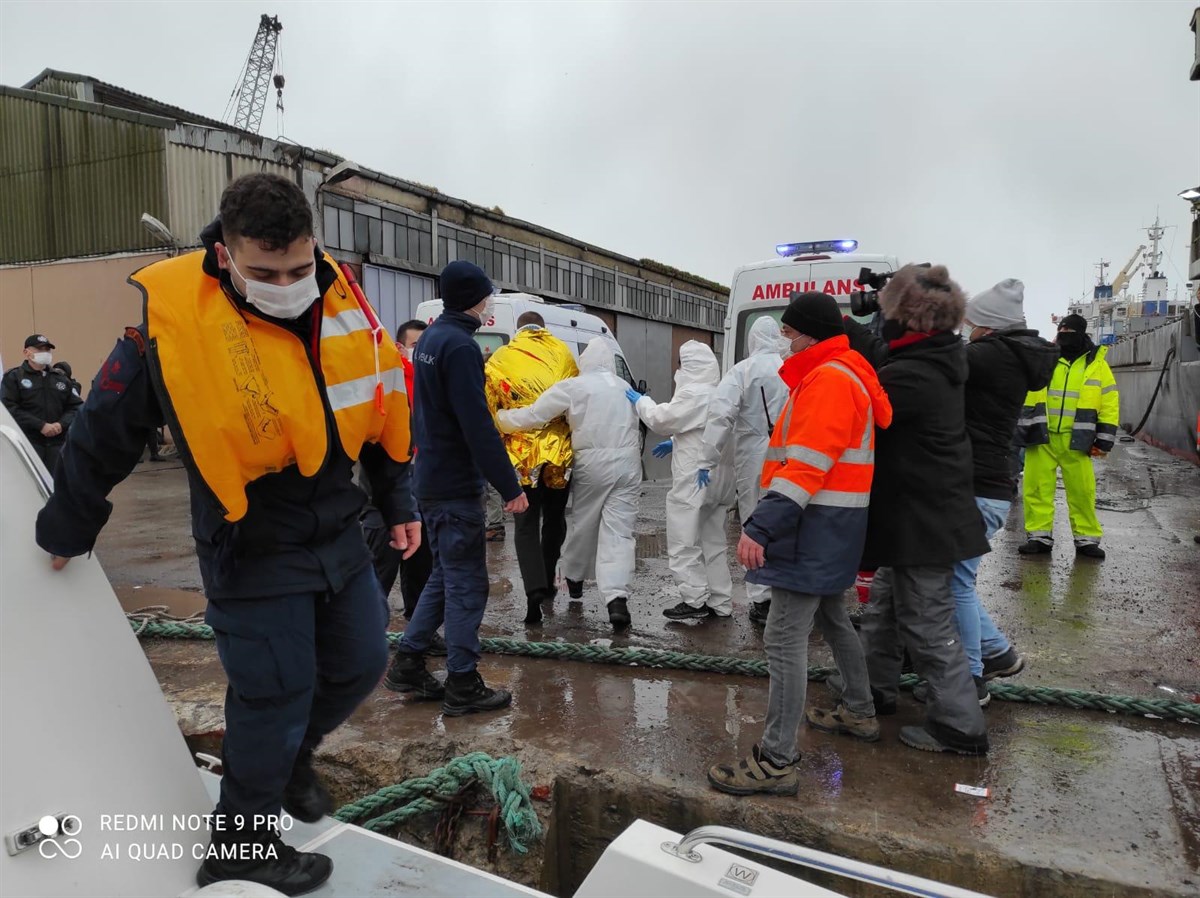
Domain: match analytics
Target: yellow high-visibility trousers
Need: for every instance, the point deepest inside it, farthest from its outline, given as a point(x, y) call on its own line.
point(1041, 480)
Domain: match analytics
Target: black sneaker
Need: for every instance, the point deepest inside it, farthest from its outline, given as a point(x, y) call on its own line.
point(268, 862)
point(684, 611)
point(856, 614)
point(923, 740)
point(305, 796)
point(575, 589)
point(759, 611)
point(1035, 547)
point(618, 613)
point(467, 694)
point(407, 673)
point(1089, 550)
point(1007, 665)
point(496, 534)
point(437, 647)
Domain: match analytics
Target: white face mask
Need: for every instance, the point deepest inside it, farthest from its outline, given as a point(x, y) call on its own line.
point(43, 358)
point(488, 308)
point(279, 302)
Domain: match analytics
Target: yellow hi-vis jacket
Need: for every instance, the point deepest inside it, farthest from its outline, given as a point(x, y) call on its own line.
point(1081, 399)
point(247, 397)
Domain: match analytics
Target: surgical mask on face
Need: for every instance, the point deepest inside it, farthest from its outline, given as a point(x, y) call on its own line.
point(488, 308)
point(43, 358)
point(279, 302)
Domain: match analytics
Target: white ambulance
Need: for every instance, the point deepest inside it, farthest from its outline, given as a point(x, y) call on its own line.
point(763, 288)
point(568, 322)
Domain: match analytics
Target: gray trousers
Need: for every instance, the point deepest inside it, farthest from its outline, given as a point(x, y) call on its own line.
point(913, 608)
point(493, 504)
point(786, 640)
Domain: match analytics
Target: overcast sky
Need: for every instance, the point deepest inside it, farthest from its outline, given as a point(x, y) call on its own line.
point(1001, 139)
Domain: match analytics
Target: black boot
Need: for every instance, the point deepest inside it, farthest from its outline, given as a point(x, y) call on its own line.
point(305, 796)
point(618, 613)
point(265, 859)
point(467, 694)
point(407, 673)
point(1035, 547)
point(575, 589)
point(759, 612)
point(533, 607)
point(1089, 550)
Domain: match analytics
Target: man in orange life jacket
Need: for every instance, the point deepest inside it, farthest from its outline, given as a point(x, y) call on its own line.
point(257, 354)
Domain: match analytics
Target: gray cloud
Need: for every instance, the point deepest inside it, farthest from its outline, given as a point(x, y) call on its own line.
point(1006, 139)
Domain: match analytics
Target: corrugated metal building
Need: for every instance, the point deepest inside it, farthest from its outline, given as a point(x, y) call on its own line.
point(81, 160)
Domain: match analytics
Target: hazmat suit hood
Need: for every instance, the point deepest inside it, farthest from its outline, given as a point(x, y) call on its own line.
point(763, 337)
point(598, 357)
point(697, 366)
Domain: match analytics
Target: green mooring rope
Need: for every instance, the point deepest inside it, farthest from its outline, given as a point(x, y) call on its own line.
point(421, 794)
point(1079, 699)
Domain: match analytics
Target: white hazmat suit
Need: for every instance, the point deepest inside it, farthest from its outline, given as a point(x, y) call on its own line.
point(696, 541)
point(742, 410)
point(607, 478)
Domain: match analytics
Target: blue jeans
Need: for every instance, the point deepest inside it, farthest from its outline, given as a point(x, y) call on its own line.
point(980, 637)
point(457, 589)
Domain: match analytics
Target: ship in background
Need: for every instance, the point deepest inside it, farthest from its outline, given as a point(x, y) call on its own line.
point(1154, 343)
point(1154, 336)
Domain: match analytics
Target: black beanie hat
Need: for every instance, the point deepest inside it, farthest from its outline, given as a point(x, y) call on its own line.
point(1074, 323)
point(815, 315)
point(464, 286)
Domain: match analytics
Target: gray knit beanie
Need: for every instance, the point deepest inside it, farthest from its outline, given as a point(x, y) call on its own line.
point(1000, 307)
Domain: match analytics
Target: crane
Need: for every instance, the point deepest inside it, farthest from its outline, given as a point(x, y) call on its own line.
point(249, 97)
point(1121, 281)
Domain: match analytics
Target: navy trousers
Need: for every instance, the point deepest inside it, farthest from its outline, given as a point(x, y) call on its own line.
point(298, 666)
point(457, 589)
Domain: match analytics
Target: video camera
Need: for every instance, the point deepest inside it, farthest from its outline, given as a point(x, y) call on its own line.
point(866, 302)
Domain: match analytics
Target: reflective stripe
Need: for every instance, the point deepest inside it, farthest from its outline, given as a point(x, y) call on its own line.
point(362, 389)
point(857, 457)
point(785, 487)
point(344, 323)
point(854, 377)
point(776, 453)
point(1037, 419)
point(840, 499)
point(1111, 388)
point(1084, 425)
point(1066, 394)
point(818, 460)
point(1091, 382)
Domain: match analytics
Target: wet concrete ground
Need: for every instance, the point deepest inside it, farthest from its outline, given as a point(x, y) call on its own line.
point(1082, 802)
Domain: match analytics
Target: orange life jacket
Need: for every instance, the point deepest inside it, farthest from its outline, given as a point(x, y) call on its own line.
point(242, 394)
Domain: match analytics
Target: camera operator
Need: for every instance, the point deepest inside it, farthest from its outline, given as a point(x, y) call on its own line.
point(923, 516)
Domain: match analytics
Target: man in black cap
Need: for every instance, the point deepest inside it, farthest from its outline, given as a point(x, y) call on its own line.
point(461, 450)
point(41, 398)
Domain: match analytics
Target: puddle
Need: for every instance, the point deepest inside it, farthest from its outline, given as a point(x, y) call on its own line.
point(178, 602)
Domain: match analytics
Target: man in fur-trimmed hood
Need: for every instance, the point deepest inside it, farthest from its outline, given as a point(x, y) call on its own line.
point(923, 516)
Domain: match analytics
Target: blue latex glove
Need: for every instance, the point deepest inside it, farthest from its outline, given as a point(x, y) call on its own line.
point(632, 395)
point(663, 449)
point(703, 477)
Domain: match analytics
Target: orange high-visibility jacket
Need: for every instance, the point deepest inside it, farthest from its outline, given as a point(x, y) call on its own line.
point(812, 519)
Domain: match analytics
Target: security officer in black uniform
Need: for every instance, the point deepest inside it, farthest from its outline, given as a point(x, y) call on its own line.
point(294, 388)
point(42, 399)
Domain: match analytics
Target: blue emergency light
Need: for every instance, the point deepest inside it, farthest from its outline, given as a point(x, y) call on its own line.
point(818, 246)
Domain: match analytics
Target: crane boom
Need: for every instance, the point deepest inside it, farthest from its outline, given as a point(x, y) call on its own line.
point(1121, 281)
point(251, 92)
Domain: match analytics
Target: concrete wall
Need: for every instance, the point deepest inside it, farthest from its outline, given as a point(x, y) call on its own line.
point(83, 307)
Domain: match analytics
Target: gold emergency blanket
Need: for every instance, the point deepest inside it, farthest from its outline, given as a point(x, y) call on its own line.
point(517, 374)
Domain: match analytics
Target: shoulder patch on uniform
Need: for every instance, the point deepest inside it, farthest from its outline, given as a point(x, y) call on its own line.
point(136, 336)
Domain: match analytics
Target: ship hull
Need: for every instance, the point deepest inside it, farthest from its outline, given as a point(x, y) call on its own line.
point(1170, 354)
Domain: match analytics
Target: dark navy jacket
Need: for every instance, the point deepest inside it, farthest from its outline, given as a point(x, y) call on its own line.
point(459, 444)
point(300, 534)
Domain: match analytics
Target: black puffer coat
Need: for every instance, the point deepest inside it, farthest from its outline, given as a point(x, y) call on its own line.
point(922, 498)
point(1004, 366)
